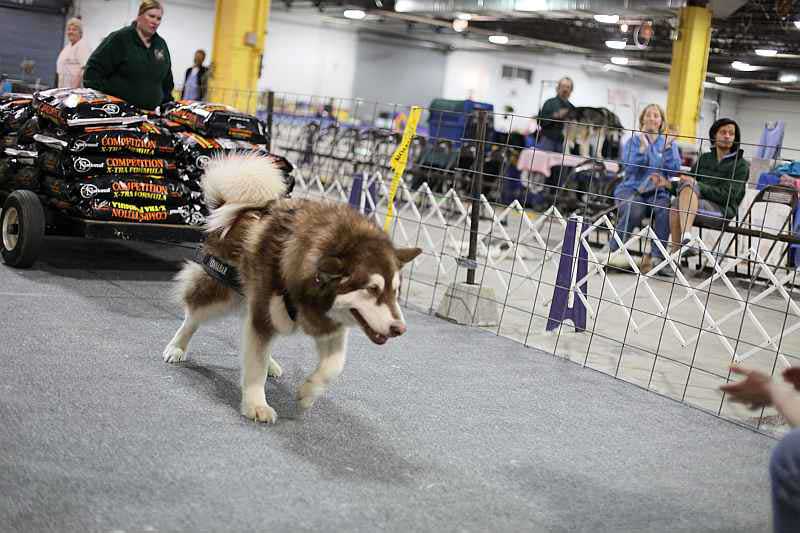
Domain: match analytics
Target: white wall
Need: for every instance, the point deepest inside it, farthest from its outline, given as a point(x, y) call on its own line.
point(187, 26)
point(390, 71)
point(753, 112)
point(305, 59)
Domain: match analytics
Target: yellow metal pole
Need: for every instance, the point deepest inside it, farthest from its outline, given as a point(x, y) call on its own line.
point(689, 65)
point(239, 33)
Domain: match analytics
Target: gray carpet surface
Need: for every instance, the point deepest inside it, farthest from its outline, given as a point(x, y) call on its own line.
point(444, 429)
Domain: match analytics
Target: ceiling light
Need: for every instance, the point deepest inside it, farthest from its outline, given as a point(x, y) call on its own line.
point(623, 28)
point(355, 14)
point(725, 80)
point(766, 52)
point(464, 16)
point(616, 45)
point(460, 25)
point(402, 6)
point(607, 19)
point(744, 67)
point(619, 60)
point(788, 78)
point(498, 39)
point(797, 24)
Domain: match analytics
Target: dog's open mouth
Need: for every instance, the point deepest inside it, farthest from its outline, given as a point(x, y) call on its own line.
point(373, 335)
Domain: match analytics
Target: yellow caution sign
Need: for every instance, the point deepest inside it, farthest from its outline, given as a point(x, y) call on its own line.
point(400, 159)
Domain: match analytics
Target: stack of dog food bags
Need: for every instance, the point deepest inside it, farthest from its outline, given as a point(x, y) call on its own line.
point(102, 159)
point(17, 154)
point(203, 130)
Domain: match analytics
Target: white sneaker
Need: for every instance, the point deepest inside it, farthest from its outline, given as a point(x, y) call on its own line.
point(618, 260)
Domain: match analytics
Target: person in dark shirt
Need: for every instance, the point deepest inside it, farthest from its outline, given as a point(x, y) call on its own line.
point(716, 185)
point(551, 126)
point(196, 78)
point(134, 63)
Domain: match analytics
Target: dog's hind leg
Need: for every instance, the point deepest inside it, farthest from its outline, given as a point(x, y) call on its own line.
point(255, 363)
point(203, 298)
point(601, 140)
point(332, 353)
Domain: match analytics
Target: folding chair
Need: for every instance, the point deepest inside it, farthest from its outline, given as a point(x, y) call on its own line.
point(775, 195)
point(711, 221)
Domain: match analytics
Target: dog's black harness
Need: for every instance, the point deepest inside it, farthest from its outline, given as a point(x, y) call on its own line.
point(228, 275)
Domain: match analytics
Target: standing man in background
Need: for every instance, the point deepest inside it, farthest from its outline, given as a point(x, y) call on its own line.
point(551, 132)
point(195, 81)
point(73, 57)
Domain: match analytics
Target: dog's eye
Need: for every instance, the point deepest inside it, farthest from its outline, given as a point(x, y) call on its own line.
point(374, 290)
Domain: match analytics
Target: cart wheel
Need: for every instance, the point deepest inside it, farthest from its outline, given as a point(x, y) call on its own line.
point(22, 223)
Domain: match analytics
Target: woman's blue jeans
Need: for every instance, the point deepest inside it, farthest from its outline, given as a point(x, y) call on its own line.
point(633, 207)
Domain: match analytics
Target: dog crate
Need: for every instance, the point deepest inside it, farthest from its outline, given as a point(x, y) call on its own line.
point(457, 119)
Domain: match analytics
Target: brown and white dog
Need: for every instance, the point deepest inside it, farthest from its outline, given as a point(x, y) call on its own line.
point(324, 263)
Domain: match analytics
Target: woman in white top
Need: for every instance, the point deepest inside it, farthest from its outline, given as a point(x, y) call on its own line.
point(72, 59)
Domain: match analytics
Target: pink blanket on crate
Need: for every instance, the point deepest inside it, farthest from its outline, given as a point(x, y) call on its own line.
point(541, 161)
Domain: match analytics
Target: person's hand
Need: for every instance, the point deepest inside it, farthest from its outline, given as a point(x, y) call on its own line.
point(659, 180)
point(687, 179)
point(792, 375)
point(753, 391)
point(561, 113)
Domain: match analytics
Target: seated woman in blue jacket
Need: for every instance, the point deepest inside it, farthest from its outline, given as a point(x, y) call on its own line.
point(650, 158)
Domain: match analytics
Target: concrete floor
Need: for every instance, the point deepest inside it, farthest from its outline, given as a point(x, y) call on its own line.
point(686, 357)
point(445, 429)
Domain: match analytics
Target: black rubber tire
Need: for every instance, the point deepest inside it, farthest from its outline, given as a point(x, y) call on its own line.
point(29, 229)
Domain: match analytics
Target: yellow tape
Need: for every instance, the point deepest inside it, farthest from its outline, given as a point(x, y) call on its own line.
point(400, 159)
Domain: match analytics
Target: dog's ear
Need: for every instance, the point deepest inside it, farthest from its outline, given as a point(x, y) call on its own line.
point(330, 269)
point(406, 255)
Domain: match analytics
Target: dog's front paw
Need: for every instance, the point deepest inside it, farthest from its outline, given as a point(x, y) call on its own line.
point(274, 370)
point(260, 413)
point(173, 354)
point(308, 393)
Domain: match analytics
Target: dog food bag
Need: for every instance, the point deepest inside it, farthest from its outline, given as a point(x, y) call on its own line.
point(22, 155)
point(218, 120)
point(6, 98)
point(65, 164)
point(144, 139)
point(129, 190)
point(195, 151)
point(71, 108)
point(13, 118)
point(167, 124)
point(16, 175)
point(156, 213)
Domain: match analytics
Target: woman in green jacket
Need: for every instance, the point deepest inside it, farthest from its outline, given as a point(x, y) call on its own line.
point(716, 185)
point(134, 63)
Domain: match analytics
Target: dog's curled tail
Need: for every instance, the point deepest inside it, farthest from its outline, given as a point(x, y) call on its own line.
point(235, 182)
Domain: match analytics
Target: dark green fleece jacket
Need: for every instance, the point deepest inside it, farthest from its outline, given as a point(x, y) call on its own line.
point(124, 67)
point(722, 182)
